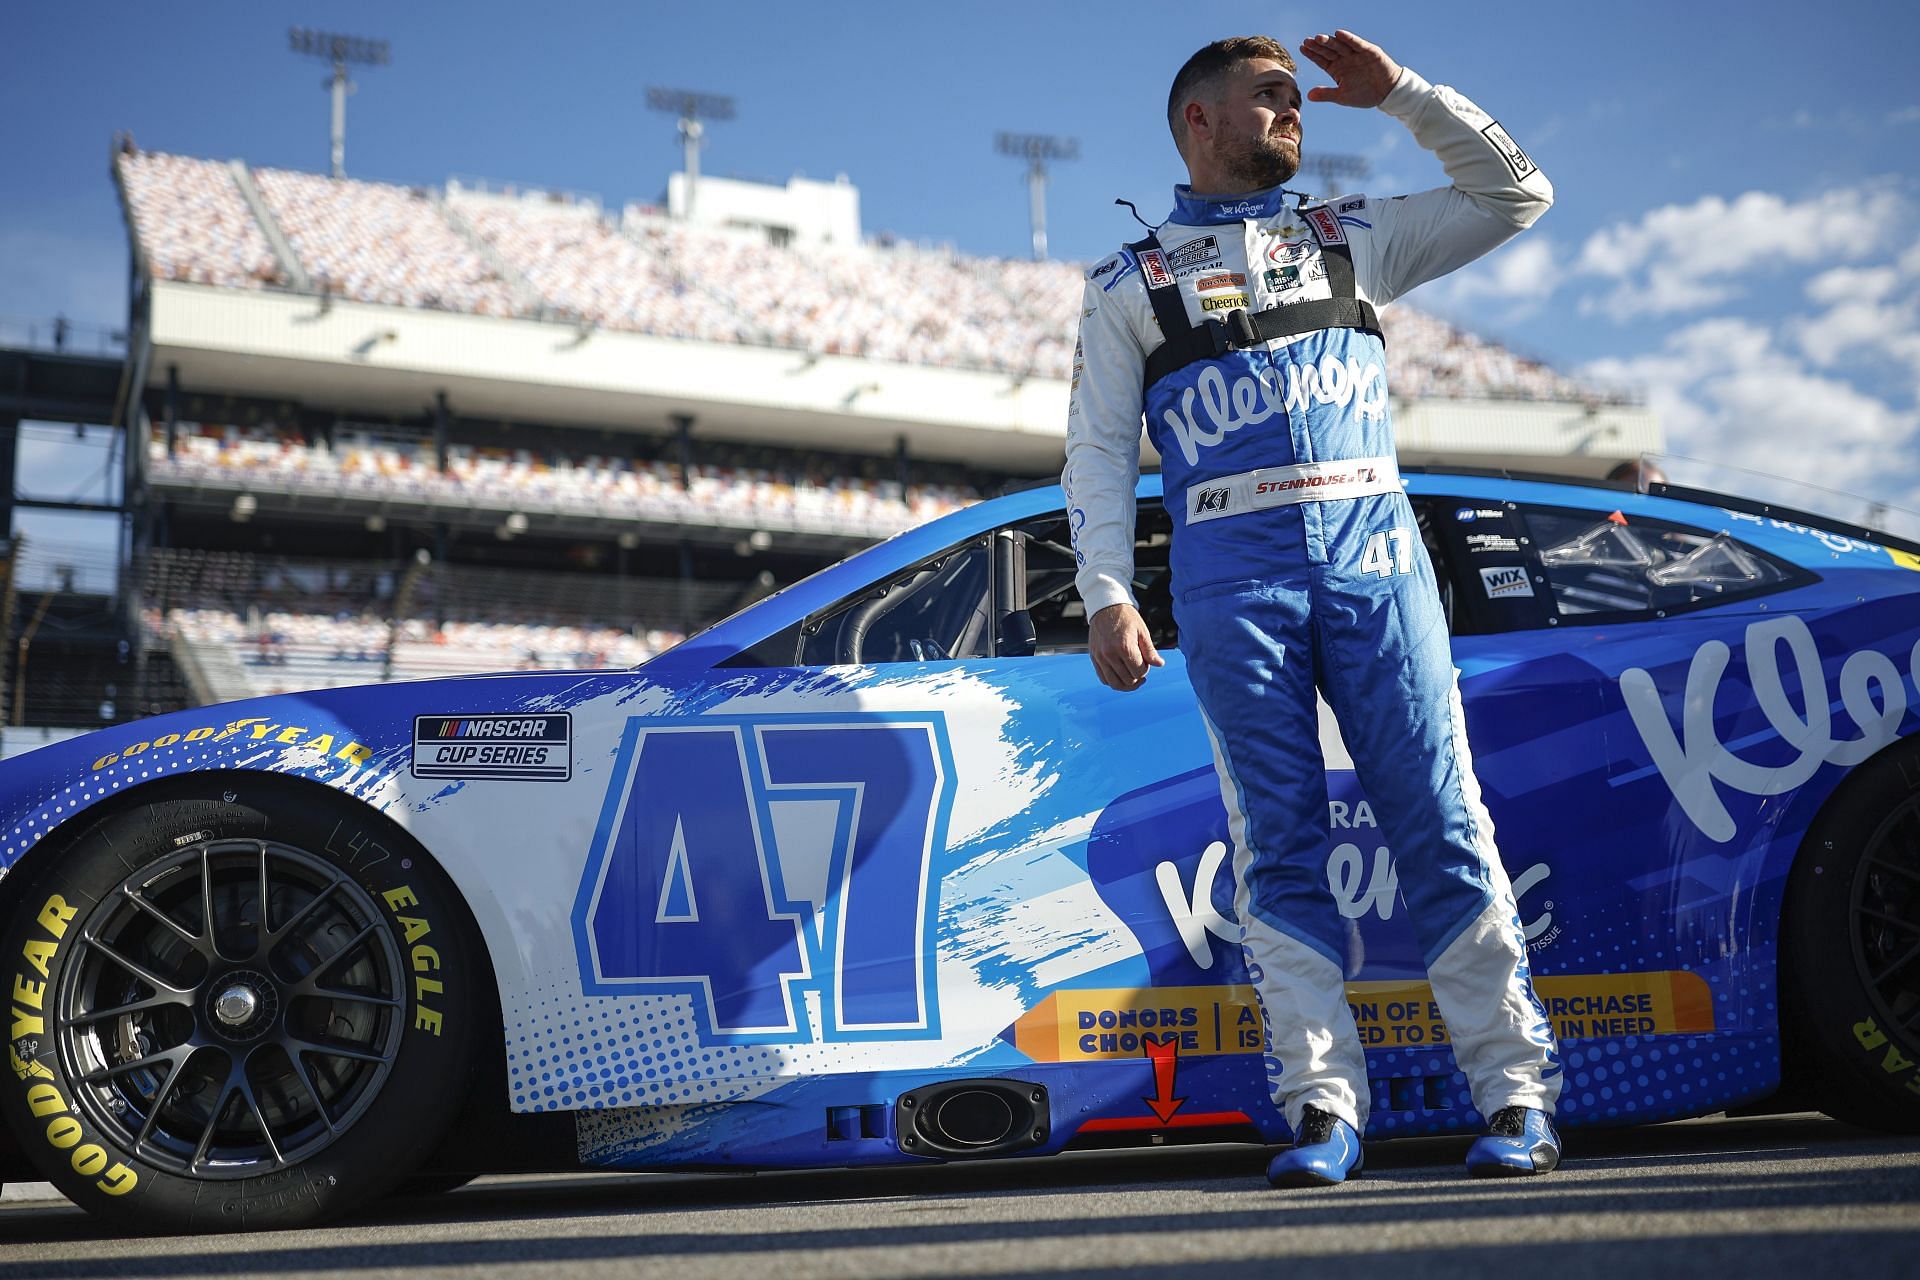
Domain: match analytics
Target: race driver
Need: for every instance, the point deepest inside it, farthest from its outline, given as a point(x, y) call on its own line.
point(1244, 327)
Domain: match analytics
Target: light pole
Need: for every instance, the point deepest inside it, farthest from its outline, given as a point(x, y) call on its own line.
point(341, 51)
point(690, 108)
point(1037, 149)
point(1331, 167)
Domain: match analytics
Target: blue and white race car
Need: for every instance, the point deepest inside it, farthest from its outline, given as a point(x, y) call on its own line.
point(876, 871)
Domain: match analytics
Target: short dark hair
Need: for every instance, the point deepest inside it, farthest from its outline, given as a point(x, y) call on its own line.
point(1208, 64)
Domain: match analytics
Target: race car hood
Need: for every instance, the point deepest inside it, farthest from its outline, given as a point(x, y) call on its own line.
point(348, 738)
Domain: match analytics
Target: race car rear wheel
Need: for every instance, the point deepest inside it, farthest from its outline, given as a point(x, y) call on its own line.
point(1850, 955)
point(246, 1004)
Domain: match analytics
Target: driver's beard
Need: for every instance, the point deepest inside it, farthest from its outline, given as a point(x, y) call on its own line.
point(1257, 163)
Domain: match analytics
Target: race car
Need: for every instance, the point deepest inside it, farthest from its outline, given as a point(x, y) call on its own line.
point(876, 871)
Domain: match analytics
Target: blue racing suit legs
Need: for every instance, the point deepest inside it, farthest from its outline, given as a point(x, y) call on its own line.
point(1376, 647)
point(1299, 570)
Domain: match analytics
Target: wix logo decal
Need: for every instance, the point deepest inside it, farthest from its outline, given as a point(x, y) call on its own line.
point(1502, 581)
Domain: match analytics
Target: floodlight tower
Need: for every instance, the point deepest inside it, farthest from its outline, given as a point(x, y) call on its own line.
point(340, 51)
point(690, 108)
point(1037, 149)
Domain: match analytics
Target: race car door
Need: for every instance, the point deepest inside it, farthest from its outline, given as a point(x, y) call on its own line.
point(873, 855)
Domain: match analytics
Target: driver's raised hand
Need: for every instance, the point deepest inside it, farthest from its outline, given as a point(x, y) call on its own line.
point(1363, 74)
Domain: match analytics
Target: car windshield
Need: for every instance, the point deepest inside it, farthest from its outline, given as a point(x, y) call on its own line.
point(1611, 564)
point(775, 595)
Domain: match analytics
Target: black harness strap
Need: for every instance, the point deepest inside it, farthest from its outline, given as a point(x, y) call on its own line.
point(1188, 343)
point(1184, 342)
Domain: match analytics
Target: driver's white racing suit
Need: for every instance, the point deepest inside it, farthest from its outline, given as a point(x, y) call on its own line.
point(1297, 565)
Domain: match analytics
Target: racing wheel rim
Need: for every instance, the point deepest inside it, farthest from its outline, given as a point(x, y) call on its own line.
point(1884, 919)
point(231, 1009)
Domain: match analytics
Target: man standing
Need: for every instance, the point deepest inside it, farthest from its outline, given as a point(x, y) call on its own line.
point(1245, 330)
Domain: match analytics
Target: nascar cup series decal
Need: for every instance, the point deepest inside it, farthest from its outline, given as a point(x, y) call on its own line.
point(513, 748)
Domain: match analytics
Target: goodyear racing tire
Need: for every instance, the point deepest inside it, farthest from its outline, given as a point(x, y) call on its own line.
point(242, 1004)
point(1850, 954)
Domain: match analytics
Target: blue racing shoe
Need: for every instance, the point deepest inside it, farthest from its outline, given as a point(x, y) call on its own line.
point(1519, 1141)
point(1325, 1151)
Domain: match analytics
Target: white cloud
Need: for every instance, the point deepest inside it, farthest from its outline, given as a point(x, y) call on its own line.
point(1824, 391)
point(1857, 324)
point(1905, 115)
point(1872, 312)
point(1864, 284)
point(1660, 296)
point(1721, 345)
point(1682, 258)
point(1525, 270)
point(1726, 391)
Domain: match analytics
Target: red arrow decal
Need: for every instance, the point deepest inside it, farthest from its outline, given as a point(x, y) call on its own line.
point(1165, 1056)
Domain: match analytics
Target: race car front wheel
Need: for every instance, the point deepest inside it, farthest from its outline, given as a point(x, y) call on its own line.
point(1850, 954)
point(247, 1004)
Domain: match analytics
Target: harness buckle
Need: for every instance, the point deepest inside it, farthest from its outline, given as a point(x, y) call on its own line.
point(1240, 324)
point(1217, 339)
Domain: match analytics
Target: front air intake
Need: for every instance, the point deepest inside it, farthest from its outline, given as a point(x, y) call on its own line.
point(965, 1119)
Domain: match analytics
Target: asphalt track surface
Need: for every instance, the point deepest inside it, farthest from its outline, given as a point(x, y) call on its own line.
point(1777, 1196)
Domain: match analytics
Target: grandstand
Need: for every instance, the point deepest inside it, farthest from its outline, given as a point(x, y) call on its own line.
point(241, 624)
point(560, 258)
point(362, 415)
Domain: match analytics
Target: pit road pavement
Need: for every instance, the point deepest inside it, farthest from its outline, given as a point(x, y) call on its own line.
point(1799, 1196)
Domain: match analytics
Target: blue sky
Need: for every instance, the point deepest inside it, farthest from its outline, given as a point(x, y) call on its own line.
point(1737, 183)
